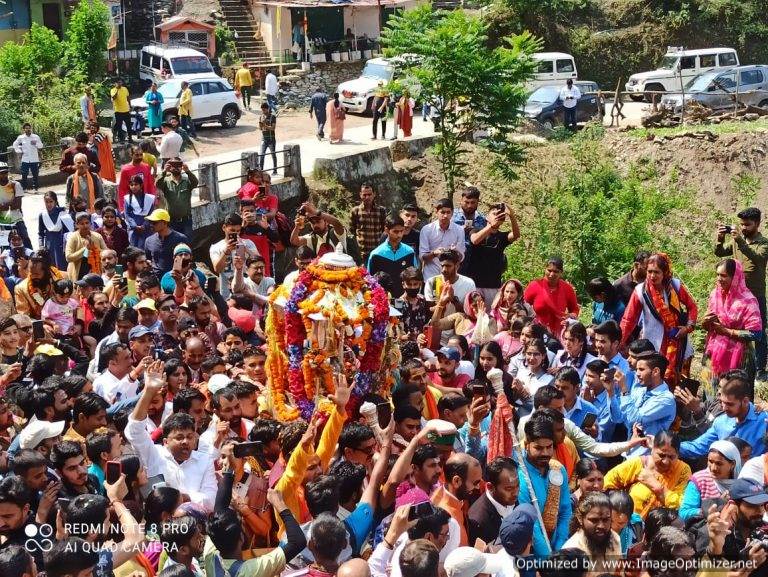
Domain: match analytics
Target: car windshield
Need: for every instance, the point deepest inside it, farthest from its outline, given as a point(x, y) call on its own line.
point(382, 71)
point(170, 89)
point(701, 82)
point(191, 65)
point(668, 62)
point(544, 95)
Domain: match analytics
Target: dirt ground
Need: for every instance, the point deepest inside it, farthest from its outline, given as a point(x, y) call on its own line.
point(291, 124)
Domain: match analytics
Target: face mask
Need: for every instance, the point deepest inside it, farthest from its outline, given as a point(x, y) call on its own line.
point(412, 292)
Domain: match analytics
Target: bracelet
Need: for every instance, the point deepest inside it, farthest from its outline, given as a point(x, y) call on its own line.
point(387, 544)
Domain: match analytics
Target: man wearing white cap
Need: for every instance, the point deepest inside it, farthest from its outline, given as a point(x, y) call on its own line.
point(469, 562)
point(41, 436)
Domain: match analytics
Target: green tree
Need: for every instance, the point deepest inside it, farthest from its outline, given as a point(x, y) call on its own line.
point(473, 87)
point(87, 36)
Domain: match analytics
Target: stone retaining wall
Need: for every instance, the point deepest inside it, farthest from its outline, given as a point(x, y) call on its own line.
point(296, 88)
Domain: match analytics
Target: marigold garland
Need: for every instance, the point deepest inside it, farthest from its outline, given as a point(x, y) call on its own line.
point(306, 365)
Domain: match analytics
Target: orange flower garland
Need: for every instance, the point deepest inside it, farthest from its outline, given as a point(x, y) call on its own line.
point(276, 366)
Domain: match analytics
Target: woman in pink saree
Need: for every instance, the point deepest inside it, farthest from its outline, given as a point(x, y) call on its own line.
point(336, 115)
point(732, 321)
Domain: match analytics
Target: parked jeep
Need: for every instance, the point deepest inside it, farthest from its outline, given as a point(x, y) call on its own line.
point(748, 84)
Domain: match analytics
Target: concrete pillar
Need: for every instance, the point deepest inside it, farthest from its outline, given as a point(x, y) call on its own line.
point(13, 160)
point(248, 160)
point(208, 173)
point(292, 160)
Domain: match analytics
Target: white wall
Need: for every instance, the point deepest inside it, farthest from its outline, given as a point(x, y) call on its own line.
point(267, 16)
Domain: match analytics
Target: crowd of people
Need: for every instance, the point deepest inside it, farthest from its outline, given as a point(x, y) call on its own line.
point(527, 431)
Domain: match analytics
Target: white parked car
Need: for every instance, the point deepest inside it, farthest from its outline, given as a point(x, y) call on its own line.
point(213, 100)
point(689, 63)
point(357, 95)
point(158, 63)
point(553, 69)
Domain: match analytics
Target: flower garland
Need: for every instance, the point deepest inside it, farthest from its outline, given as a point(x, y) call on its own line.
point(306, 365)
point(276, 366)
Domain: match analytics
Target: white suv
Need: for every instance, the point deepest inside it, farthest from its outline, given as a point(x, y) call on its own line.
point(357, 95)
point(213, 100)
point(689, 63)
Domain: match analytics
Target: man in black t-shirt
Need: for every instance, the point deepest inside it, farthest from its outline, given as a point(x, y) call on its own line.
point(484, 261)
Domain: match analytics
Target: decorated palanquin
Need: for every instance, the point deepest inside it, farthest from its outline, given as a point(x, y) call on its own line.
point(334, 320)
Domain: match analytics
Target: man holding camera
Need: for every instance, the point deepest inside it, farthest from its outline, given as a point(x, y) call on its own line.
point(485, 261)
point(750, 247)
point(175, 185)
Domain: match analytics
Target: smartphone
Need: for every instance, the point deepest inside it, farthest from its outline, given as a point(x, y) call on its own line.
point(609, 373)
point(212, 284)
point(232, 236)
point(38, 330)
point(589, 421)
point(478, 391)
point(152, 482)
point(728, 228)
point(262, 190)
point(158, 353)
point(420, 510)
point(383, 414)
point(690, 385)
point(119, 269)
point(249, 449)
point(113, 472)
point(62, 503)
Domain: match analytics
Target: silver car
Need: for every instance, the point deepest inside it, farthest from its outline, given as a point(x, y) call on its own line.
point(718, 90)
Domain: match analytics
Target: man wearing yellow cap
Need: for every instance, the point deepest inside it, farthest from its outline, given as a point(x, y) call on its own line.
point(159, 246)
point(175, 184)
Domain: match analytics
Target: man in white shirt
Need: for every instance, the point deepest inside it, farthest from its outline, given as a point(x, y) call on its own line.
point(118, 381)
point(184, 468)
point(226, 249)
point(27, 145)
point(170, 144)
point(569, 95)
point(271, 88)
point(440, 235)
point(226, 409)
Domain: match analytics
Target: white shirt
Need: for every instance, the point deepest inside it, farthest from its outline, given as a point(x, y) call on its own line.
point(28, 146)
point(195, 476)
point(502, 510)
point(462, 286)
point(531, 381)
point(270, 84)
point(170, 145)
point(432, 237)
point(570, 96)
point(454, 538)
point(112, 389)
point(228, 272)
point(167, 412)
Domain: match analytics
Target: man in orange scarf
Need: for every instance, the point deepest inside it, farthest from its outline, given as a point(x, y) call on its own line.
point(413, 372)
point(83, 183)
point(33, 291)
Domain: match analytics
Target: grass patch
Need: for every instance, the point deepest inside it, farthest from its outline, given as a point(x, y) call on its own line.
point(731, 126)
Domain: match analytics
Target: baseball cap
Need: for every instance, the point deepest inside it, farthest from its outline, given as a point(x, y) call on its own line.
point(182, 248)
point(91, 280)
point(159, 214)
point(138, 331)
point(449, 353)
point(48, 350)
point(218, 382)
point(38, 431)
point(145, 304)
point(516, 529)
point(244, 320)
point(748, 490)
point(469, 562)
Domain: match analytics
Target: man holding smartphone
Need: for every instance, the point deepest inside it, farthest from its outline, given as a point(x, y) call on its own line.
point(223, 252)
point(569, 96)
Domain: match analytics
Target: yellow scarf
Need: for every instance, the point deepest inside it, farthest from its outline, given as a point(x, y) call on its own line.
point(76, 188)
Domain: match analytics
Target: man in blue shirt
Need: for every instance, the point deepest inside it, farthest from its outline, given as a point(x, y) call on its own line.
point(160, 245)
point(550, 485)
point(650, 404)
point(576, 408)
point(467, 215)
point(600, 391)
point(637, 348)
point(392, 256)
point(739, 419)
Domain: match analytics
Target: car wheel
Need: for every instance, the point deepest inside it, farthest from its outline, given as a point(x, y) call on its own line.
point(637, 97)
point(548, 123)
point(763, 103)
point(229, 117)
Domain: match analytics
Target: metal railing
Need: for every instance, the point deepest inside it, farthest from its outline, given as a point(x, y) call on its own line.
point(50, 157)
point(253, 160)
